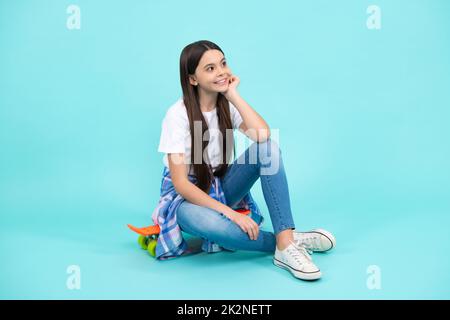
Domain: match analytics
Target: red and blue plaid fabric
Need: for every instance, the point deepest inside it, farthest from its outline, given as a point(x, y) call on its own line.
point(170, 241)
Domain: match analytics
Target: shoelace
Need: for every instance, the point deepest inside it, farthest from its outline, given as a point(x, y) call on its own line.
point(310, 242)
point(301, 251)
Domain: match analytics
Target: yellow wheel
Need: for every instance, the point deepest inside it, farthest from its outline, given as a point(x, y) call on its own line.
point(151, 247)
point(143, 242)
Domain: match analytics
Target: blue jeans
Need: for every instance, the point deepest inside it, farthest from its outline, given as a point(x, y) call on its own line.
point(261, 160)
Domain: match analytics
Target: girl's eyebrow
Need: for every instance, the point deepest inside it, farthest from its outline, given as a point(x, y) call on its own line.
point(212, 64)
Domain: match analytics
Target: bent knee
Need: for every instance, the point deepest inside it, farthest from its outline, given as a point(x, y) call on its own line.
point(269, 147)
point(269, 155)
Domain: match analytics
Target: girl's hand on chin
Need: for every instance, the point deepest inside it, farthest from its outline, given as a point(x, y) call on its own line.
point(233, 83)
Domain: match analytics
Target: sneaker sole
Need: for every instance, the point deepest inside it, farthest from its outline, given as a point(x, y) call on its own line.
point(297, 273)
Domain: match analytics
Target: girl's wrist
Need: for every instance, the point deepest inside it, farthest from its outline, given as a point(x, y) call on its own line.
point(228, 212)
point(232, 96)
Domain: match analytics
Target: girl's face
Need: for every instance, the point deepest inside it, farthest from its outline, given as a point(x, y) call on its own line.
point(212, 73)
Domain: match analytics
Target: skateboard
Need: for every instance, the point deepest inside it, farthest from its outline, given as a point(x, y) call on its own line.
point(148, 236)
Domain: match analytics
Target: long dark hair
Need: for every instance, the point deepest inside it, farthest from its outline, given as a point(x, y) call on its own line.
point(189, 59)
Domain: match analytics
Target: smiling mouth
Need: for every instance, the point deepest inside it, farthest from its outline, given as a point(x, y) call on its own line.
point(221, 82)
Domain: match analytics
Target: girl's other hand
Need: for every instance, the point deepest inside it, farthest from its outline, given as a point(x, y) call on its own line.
point(247, 224)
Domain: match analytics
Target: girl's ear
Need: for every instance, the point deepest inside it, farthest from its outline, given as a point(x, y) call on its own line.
point(192, 80)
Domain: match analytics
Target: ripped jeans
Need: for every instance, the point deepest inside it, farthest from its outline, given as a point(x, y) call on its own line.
point(260, 160)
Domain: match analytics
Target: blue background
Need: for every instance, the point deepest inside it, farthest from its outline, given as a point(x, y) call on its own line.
point(363, 118)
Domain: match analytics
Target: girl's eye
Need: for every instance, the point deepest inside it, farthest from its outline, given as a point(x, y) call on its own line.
point(211, 68)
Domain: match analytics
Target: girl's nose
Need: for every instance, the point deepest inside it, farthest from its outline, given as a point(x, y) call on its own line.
point(222, 70)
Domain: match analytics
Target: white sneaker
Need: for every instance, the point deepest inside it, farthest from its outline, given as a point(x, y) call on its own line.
point(317, 240)
point(298, 261)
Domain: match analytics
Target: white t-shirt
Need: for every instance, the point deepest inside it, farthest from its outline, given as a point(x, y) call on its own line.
point(176, 135)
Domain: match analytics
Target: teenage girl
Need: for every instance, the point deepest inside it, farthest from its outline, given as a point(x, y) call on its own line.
point(196, 141)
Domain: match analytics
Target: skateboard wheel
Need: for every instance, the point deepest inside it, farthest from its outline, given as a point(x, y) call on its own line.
point(151, 247)
point(143, 242)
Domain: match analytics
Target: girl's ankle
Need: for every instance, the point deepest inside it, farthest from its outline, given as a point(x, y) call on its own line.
point(284, 239)
point(283, 244)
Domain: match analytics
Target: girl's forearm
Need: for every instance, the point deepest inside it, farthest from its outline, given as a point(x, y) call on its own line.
point(251, 118)
point(195, 195)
